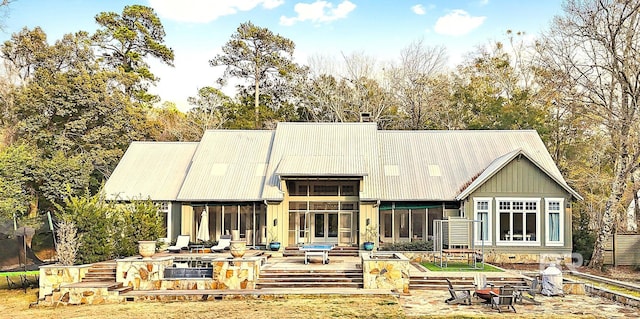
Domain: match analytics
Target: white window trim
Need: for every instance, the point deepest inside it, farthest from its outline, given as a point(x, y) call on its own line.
point(489, 200)
point(168, 212)
point(500, 242)
point(548, 242)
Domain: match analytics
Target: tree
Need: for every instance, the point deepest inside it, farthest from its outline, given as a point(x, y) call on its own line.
point(595, 45)
point(413, 83)
point(258, 55)
point(127, 40)
point(210, 109)
point(17, 165)
point(69, 109)
point(493, 91)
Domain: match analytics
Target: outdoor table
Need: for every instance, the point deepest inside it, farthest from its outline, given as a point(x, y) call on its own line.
point(318, 250)
point(485, 293)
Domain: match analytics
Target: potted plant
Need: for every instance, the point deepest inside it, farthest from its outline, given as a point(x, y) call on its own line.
point(370, 234)
point(274, 244)
point(146, 226)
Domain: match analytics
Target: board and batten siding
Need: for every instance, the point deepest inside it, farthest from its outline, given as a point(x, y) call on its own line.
point(521, 179)
point(368, 210)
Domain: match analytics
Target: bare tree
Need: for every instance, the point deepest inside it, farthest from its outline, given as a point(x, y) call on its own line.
point(595, 44)
point(413, 82)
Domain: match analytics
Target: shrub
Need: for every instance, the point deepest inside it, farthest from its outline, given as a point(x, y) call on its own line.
point(583, 238)
point(95, 226)
point(109, 230)
point(419, 245)
point(138, 220)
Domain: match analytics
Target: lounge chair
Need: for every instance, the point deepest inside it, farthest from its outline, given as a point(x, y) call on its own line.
point(224, 242)
point(182, 242)
point(458, 296)
point(528, 293)
point(506, 298)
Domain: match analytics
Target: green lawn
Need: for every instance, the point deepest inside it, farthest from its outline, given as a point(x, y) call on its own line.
point(460, 267)
point(14, 277)
point(18, 273)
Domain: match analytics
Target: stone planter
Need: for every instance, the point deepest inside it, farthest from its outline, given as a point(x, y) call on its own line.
point(274, 245)
point(146, 249)
point(238, 248)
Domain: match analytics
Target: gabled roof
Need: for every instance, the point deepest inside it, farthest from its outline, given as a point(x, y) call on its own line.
point(229, 165)
point(502, 161)
point(245, 165)
point(435, 165)
point(153, 170)
point(323, 149)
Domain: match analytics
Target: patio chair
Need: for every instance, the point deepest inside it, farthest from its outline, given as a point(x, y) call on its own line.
point(224, 242)
point(458, 295)
point(505, 298)
point(182, 242)
point(528, 293)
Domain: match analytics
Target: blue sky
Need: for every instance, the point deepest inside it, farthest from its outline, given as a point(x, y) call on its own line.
point(196, 29)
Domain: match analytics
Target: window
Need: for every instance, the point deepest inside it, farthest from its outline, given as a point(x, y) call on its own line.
point(554, 220)
point(163, 210)
point(518, 221)
point(482, 212)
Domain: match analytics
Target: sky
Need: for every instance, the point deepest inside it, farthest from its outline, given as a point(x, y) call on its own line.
point(197, 29)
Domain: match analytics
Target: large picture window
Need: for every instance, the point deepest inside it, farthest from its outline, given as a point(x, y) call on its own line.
point(518, 221)
point(482, 212)
point(554, 221)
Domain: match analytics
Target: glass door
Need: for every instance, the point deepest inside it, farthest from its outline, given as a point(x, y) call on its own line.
point(325, 228)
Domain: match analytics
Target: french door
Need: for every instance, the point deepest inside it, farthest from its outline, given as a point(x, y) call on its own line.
point(324, 227)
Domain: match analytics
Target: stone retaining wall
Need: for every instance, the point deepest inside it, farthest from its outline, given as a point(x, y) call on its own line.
point(240, 273)
point(54, 276)
point(385, 273)
point(142, 274)
point(498, 258)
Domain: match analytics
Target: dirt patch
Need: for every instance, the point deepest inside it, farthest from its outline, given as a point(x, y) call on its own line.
point(15, 304)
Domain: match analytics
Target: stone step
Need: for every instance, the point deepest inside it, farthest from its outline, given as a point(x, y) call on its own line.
point(309, 276)
point(293, 285)
point(101, 271)
point(331, 254)
point(122, 289)
point(323, 272)
point(310, 279)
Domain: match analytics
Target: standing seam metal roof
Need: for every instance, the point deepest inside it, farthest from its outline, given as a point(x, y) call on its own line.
point(153, 170)
point(242, 165)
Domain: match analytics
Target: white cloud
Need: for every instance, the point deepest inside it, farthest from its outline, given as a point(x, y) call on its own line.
point(418, 9)
point(484, 2)
point(318, 12)
point(457, 22)
point(203, 11)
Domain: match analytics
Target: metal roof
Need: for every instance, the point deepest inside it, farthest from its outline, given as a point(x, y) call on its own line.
point(229, 165)
point(502, 161)
point(244, 165)
point(153, 170)
point(436, 165)
point(297, 166)
point(350, 149)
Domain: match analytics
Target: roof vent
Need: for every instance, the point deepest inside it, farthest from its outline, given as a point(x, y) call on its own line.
point(365, 117)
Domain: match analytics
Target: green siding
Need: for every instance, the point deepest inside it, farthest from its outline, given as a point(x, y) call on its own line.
point(521, 178)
